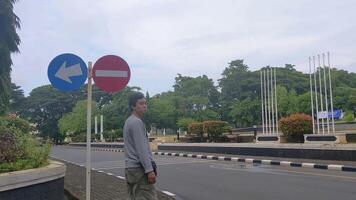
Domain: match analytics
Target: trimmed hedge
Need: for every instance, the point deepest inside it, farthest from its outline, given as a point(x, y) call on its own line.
point(295, 126)
point(215, 129)
point(196, 129)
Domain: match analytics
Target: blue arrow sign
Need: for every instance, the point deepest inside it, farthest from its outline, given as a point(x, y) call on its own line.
point(67, 72)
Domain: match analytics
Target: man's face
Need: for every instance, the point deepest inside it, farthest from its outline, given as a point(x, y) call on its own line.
point(141, 106)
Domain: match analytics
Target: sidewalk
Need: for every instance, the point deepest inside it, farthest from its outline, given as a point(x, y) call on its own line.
point(103, 186)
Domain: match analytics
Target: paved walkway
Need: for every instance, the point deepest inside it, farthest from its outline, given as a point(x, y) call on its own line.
point(103, 186)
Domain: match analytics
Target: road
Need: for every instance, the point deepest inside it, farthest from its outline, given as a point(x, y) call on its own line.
point(195, 179)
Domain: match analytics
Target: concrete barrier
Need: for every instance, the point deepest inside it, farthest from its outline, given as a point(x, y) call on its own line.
point(34, 184)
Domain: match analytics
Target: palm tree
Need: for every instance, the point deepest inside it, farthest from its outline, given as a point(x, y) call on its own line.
point(9, 41)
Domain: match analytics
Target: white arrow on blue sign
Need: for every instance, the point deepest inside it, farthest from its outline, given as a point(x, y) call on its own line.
point(67, 72)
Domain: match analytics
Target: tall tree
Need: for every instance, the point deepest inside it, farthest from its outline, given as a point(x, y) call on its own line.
point(17, 98)
point(45, 106)
point(9, 41)
point(196, 95)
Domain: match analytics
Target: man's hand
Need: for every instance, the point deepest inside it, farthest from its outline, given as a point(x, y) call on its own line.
point(151, 177)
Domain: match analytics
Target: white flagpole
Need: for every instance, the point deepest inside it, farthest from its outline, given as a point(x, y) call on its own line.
point(316, 97)
point(262, 111)
point(326, 95)
point(321, 95)
point(275, 94)
point(265, 99)
point(311, 94)
point(269, 102)
point(331, 95)
point(272, 102)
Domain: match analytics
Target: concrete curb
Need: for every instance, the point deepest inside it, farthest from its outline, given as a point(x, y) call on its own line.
point(265, 162)
point(250, 160)
point(29, 177)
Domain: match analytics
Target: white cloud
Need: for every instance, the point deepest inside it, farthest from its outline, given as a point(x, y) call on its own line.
point(162, 38)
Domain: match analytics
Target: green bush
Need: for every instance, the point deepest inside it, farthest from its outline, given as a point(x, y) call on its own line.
point(9, 149)
point(183, 123)
point(15, 123)
point(349, 117)
point(196, 129)
point(215, 129)
point(295, 126)
point(18, 149)
point(112, 135)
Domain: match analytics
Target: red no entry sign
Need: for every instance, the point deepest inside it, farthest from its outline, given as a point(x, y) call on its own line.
point(111, 73)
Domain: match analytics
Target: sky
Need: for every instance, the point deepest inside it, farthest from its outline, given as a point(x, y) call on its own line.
point(161, 38)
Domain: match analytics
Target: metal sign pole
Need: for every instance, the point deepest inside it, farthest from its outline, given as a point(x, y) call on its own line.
point(88, 167)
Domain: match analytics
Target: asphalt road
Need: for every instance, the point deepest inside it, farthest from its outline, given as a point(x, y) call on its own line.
point(195, 179)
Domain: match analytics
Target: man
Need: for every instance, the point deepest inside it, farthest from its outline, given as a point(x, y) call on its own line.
point(140, 168)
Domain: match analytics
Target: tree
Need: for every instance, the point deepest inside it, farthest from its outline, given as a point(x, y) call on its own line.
point(116, 112)
point(45, 106)
point(9, 41)
point(75, 122)
point(246, 112)
point(162, 113)
point(17, 98)
point(195, 96)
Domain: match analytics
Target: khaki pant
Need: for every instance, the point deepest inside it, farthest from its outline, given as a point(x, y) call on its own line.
point(138, 186)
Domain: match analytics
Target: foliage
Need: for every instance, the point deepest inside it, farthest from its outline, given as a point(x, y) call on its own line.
point(12, 122)
point(183, 123)
point(215, 129)
point(196, 129)
point(295, 126)
point(246, 112)
point(75, 122)
point(349, 117)
point(19, 150)
point(9, 41)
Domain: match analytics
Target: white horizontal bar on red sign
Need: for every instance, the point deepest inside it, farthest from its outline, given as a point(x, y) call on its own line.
point(111, 73)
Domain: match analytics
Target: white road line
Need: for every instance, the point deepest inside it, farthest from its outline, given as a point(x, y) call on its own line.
point(110, 174)
point(120, 177)
point(169, 193)
point(112, 167)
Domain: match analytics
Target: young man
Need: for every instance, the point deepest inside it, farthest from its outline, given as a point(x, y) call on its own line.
point(140, 168)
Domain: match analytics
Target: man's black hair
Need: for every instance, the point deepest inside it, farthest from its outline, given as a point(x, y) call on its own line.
point(134, 98)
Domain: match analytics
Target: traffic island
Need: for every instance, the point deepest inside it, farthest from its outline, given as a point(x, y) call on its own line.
point(333, 138)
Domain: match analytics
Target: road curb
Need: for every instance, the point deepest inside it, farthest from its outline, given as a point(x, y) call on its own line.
point(265, 162)
point(251, 160)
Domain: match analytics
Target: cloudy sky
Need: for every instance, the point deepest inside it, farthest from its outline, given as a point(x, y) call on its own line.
point(160, 38)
